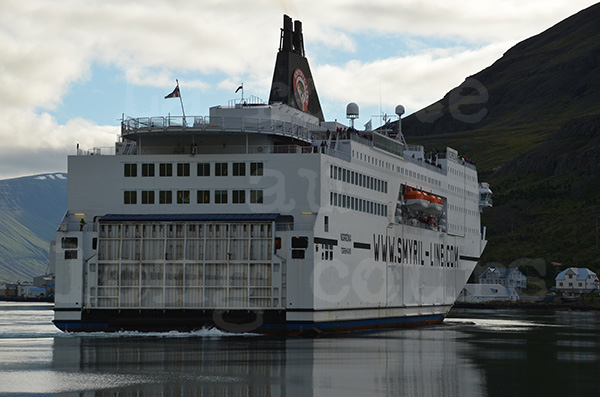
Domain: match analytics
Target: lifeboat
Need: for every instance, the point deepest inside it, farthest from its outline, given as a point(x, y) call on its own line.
point(416, 200)
point(436, 203)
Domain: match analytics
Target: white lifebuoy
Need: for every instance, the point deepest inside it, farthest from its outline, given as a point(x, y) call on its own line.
point(260, 149)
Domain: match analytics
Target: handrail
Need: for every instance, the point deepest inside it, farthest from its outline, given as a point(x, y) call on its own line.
point(298, 129)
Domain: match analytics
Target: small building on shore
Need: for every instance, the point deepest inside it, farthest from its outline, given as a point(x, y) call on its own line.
point(482, 293)
point(577, 280)
point(507, 277)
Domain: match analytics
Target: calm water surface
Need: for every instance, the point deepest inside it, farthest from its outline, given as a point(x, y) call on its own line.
point(474, 353)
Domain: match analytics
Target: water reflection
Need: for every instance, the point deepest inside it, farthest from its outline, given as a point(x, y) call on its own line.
point(426, 362)
point(541, 353)
point(474, 353)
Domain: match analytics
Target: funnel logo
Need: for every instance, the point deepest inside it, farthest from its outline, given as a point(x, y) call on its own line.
point(300, 89)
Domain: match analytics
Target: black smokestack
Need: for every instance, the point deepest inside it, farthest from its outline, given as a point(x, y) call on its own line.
point(293, 84)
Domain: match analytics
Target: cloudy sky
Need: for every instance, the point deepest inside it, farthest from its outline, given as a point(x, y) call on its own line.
point(69, 69)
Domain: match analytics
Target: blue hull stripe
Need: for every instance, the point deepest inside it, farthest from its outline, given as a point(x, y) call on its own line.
point(366, 324)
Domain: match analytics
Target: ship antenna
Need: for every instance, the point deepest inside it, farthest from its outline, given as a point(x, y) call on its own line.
point(400, 111)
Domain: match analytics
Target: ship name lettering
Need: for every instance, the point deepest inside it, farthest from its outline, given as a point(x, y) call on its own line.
point(346, 251)
point(409, 251)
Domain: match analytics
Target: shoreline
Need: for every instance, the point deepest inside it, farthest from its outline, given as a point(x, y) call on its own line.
point(29, 300)
point(572, 306)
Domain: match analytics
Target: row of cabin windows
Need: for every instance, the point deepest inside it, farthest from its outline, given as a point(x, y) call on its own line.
point(202, 196)
point(356, 178)
point(357, 204)
point(183, 169)
point(418, 176)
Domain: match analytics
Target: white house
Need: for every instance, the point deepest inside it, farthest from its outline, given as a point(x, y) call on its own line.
point(510, 278)
point(577, 279)
point(480, 293)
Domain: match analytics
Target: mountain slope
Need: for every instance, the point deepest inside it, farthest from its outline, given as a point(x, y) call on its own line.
point(531, 122)
point(30, 210)
point(542, 81)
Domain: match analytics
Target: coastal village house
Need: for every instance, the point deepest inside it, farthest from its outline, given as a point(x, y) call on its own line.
point(509, 278)
point(577, 279)
point(481, 293)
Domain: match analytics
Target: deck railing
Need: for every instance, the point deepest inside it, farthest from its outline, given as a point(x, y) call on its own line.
point(197, 124)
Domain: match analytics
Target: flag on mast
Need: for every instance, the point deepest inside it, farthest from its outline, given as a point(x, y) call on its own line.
point(177, 94)
point(174, 94)
point(241, 87)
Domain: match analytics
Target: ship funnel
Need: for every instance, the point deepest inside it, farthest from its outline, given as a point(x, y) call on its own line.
point(292, 83)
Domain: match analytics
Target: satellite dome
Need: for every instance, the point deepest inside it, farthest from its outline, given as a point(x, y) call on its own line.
point(352, 110)
point(399, 110)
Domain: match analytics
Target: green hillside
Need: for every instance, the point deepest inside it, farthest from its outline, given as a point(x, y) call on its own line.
point(30, 210)
point(531, 122)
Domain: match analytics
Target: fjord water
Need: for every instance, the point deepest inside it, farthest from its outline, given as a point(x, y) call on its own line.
point(474, 353)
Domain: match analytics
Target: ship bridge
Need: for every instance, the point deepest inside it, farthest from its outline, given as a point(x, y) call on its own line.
point(248, 126)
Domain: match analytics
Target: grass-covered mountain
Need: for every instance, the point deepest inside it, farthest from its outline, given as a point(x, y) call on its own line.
point(531, 122)
point(30, 211)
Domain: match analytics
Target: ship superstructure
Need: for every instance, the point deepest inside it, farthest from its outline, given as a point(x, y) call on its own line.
point(264, 218)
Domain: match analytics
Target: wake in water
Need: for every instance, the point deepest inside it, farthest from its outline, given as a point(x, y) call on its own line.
point(202, 333)
point(496, 324)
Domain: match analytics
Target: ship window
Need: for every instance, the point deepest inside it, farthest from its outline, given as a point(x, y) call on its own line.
point(256, 169)
point(221, 169)
point(326, 224)
point(239, 169)
point(256, 196)
point(221, 196)
point(297, 254)
point(69, 242)
point(239, 196)
point(70, 254)
point(203, 169)
point(130, 170)
point(165, 197)
point(299, 242)
point(148, 169)
point(147, 197)
point(95, 243)
point(130, 197)
point(183, 197)
point(203, 196)
point(183, 169)
point(166, 169)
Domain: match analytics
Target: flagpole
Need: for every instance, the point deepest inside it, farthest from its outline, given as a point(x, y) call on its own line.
point(181, 101)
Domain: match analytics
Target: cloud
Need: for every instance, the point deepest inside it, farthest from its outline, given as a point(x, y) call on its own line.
point(415, 80)
point(41, 145)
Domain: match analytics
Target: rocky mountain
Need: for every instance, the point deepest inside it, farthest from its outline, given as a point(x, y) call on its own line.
point(531, 122)
point(30, 210)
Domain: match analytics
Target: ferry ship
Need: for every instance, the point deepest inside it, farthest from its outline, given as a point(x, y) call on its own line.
point(265, 218)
